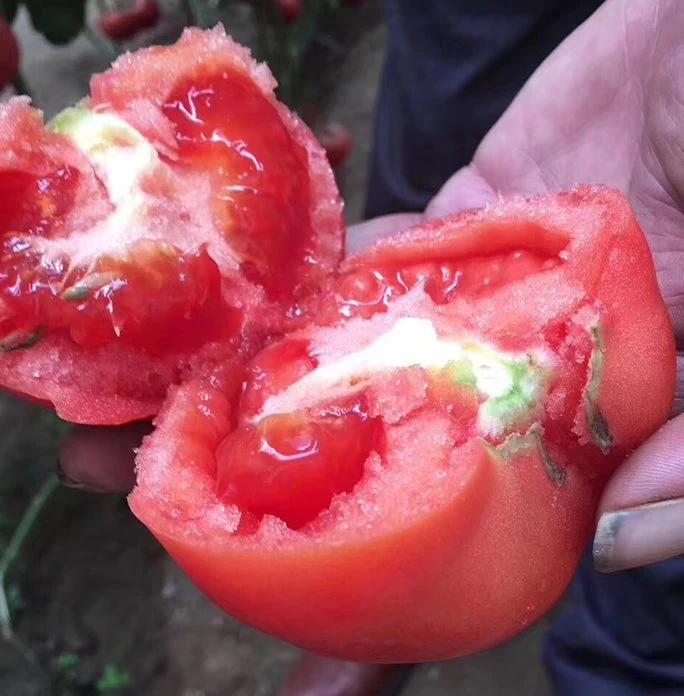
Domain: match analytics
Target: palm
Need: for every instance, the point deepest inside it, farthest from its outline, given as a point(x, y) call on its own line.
point(606, 107)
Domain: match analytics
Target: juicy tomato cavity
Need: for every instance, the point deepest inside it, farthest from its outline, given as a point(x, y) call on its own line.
point(138, 265)
point(260, 175)
point(367, 291)
point(292, 465)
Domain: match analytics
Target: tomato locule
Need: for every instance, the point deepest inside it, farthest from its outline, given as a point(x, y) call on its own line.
point(141, 229)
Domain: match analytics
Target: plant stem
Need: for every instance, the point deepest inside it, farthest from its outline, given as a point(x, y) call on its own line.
point(17, 542)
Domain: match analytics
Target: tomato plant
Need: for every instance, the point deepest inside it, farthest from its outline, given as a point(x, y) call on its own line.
point(415, 475)
point(177, 213)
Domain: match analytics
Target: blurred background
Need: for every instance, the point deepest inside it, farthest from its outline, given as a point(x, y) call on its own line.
point(89, 603)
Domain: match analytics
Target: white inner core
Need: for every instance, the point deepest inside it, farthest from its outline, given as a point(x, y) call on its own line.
point(121, 158)
point(410, 342)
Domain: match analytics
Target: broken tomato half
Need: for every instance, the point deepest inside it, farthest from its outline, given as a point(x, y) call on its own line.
point(416, 477)
point(174, 216)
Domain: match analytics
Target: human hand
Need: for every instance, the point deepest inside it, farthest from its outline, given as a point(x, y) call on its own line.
point(605, 107)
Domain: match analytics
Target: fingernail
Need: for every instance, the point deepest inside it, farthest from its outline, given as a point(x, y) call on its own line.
point(640, 535)
point(69, 482)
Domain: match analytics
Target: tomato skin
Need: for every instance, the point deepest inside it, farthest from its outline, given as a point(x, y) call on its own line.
point(338, 143)
point(9, 54)
point(222, 305)
point(121, 26)
point(448, 545)
point(291, 10)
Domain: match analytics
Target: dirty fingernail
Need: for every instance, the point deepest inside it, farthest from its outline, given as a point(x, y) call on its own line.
point(69, 482)
point(640, 535)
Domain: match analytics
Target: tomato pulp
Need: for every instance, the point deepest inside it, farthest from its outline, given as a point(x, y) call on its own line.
point(174, 217)
point(415, 476)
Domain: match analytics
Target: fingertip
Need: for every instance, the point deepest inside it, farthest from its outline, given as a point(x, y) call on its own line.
point(101, 459)
point(653, 473)
point(363, 234)
point(464, 190)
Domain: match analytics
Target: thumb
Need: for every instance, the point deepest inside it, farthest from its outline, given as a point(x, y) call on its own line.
point(466, 189)
point(642, 509)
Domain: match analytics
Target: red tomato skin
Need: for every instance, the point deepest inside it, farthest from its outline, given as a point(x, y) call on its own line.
point(448, 548)
point(121, 26)
point(113, 384)
point(9, 54)
point(338, 143)
point(291, 10)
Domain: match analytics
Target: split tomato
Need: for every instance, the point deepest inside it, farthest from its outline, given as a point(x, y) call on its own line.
point(176, 216)
point(416, 477)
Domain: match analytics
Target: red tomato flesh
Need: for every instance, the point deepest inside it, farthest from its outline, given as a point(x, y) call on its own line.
point(417, 479)
point(292, 466)
point(179, 210)
point(367, 290)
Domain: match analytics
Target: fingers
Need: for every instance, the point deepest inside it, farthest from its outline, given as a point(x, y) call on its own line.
point(466, 189)
point(319, 676)
point(363, 234)
point(100, 459)
point(642, 518)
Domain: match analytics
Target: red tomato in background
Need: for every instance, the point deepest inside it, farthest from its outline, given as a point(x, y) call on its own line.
point(9, 54)
point(337, 142)
point(175, 218)
point(416, 477)
point(291, 10)
point(121, 26)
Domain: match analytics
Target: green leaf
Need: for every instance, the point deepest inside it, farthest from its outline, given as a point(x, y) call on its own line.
point(8, 9)
point(59, 21)
point(113, 679)
point(67, 663)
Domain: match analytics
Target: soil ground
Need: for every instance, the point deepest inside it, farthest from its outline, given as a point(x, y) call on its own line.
point(96, 595)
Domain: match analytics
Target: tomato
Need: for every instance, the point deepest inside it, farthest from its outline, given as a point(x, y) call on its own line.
point(121, 26)
point(175, 217)
point(337, 142)
point(291, 10)
point(415, 477)
point(9, 55)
